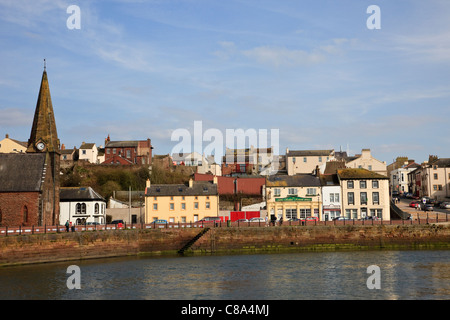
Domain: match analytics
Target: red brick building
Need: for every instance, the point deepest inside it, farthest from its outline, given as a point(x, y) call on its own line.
point(30, 182)
point(128, 152)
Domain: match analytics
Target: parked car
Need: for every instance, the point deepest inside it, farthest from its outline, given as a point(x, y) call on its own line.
point(257, 220)
point(444, 205)
point(242, 220)
point(428, 207)
point(210, 220)
point(160, 221)
point(414, 204)
point(342, 218)
point(311, 219)
point(117, 222)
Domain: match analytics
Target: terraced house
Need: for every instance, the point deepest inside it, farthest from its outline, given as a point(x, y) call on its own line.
point(180, 202)
point(364, 193)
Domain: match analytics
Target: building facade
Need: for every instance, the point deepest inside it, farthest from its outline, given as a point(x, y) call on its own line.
point(331, 197)
point(128, 152)
point(365, 160)
point(88, 152)
point(364, 193)
point(293, 197)
point(81, 205)
point(9, 145)
point(181, 203)
point(432, 179)
point(307, 161)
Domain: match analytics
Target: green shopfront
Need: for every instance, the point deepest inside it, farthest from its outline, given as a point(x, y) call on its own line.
point(295, 208)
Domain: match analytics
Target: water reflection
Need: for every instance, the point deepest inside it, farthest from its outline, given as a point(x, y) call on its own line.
point(293, 276)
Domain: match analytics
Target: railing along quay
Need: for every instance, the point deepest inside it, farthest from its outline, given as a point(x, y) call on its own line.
point(27, 230)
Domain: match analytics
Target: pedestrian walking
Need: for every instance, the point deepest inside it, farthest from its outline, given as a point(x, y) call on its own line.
point(67, 226)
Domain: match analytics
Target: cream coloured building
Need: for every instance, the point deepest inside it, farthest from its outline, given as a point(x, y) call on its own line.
point(293, 197)
point(180, 202)
point(364, 193)
point(9, 145)
point(306, 161)
point(366, 161)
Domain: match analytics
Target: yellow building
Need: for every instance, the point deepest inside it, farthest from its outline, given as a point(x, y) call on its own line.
point(181, 203)
point(293, 197)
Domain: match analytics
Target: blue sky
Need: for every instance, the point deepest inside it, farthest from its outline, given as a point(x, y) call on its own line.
point(312, 69)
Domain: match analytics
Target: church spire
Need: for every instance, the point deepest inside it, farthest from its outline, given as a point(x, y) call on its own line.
point(44, 137)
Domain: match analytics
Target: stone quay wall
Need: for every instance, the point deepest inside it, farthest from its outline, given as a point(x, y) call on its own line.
point(54, 247)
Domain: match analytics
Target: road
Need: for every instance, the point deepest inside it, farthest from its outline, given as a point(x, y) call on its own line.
point(442, 213)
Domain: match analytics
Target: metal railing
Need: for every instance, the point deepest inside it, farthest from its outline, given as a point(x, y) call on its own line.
point(27, 230)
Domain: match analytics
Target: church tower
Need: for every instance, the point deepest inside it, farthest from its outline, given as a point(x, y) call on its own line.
point(44, 140)
point(44, 137)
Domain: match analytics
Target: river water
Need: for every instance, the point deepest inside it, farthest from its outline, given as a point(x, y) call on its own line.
point(418, 274)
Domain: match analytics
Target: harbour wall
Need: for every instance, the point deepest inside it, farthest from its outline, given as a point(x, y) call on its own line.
point(53, 247)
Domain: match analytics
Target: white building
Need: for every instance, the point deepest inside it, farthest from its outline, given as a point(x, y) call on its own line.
point(89, 152)
point(331, 197)
point(398, 179)
point(81, 206)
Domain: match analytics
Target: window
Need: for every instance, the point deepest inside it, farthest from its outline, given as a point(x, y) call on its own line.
point(293, 159)
point(376, 197)
point(208, 205)
point(172, 206)
point(350, 184)
point(292, 191)
point(291, 213)
point(435, 187)
point(195, 205)
point(440, 187)
point(155, 206)
point(380, 213)
point(363, 196)
point(351, 198)
point(320, 159)
point(304, 159)
point(304, 213)
point(97, 208)
point(128, 153)
point(334, 197)
point(114, 151)
point(183, 206)
point(276, 192)
point(435, 175)
point(363, 184)
point(25, 214)
point(375, 184)
point(83, 208)
point(183, 219)
point(351, 213)
point(108, 151)
point(311, 191)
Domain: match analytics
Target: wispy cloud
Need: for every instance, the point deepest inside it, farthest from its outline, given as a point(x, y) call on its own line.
point(282, 56)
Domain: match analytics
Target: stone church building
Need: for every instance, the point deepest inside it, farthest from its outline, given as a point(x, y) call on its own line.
point(30, 181)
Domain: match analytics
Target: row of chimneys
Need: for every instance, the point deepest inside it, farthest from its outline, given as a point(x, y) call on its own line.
point(191, 182)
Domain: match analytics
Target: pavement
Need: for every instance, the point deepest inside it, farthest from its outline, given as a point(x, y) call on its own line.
point(441, 214)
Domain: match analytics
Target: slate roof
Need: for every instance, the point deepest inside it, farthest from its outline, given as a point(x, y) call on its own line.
point(79, 194)
point(121, 144)
point(299, 180)
point(359, 173)
point(442, 163)
point(21, 172)
point(199, 188)
point(308, 153)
